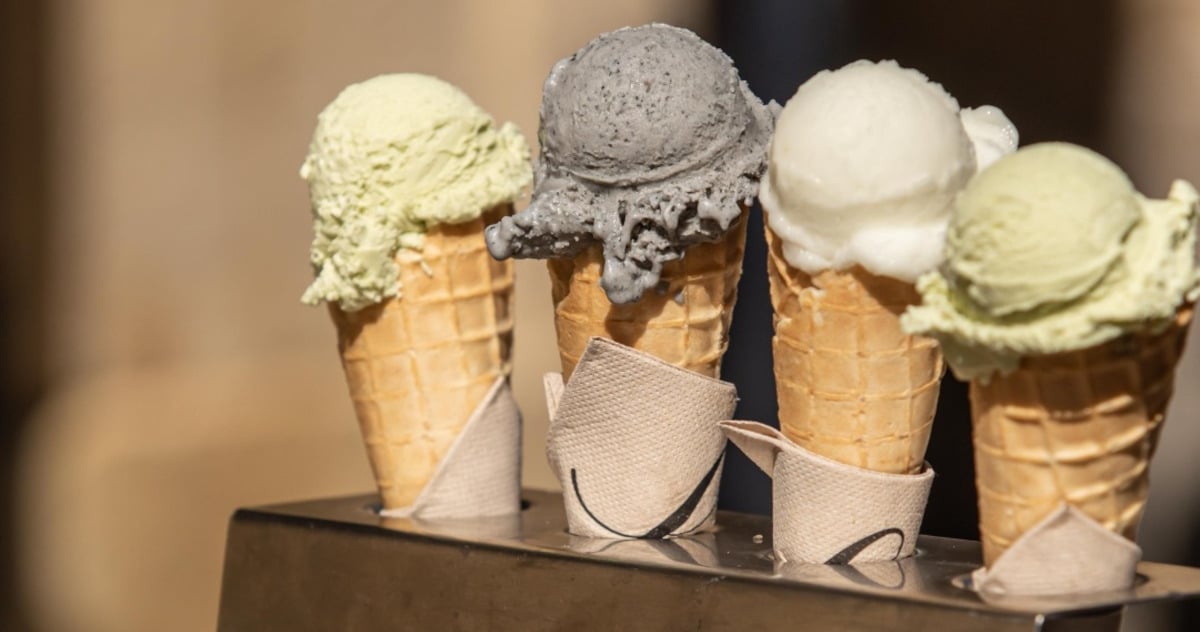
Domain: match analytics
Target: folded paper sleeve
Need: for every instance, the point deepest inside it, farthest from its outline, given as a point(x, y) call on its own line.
point(481, 473)
point(635, 444)
point(826, 512)
point(1066, 553)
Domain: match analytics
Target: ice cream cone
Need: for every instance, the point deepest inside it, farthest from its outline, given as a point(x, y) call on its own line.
point(685, 321)
point(1076, 427)
point(851, 385)
point(418, 365)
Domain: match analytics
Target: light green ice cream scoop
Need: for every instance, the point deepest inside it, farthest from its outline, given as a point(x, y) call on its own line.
point(1051, 250)
point(389, 158)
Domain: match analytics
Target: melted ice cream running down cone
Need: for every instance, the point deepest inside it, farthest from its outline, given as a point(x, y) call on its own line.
point(685, 321)
point(652, 149)
point(864, 164)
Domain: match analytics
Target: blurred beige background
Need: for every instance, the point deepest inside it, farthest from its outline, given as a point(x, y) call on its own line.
point(186, 379)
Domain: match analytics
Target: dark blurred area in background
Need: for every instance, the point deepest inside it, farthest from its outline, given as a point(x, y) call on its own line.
point(23, 224)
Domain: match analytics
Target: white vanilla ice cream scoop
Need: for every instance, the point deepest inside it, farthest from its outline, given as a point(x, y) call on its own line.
point(865, 163)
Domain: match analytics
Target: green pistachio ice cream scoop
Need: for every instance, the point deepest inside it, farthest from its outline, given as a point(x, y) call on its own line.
point(1051, 250)
point(390, 157)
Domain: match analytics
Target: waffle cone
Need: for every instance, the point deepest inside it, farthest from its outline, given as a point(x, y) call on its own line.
point(418, 366)
point(852, 386)
point(1077, 427)
point(685, 321)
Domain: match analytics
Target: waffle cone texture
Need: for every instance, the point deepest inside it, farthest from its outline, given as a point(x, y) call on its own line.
point(851, 385)
point(418, 365)
point(685, 321)
point(1077, 427)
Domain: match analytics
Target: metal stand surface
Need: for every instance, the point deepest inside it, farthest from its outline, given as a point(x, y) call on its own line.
point(337, 565)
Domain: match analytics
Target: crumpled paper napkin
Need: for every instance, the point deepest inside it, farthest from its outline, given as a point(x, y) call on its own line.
point(635, 443)
point(481, 473)
point(826, 512)
point(1066, 553)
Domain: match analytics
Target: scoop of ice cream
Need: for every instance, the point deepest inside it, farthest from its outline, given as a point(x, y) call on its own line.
point(864, 164)
point(390, 157)
point(1049, 250)
point(649, 142)
point(1008, 247)
point(992, 135)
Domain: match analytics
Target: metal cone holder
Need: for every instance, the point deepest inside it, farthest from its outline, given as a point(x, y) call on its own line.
point(337, 565)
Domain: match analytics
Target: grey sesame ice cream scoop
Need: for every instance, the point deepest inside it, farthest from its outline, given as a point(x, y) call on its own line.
point(650, 140)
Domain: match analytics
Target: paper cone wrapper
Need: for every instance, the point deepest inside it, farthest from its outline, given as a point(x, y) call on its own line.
point(852, 386)
point(635, 444)
point(419, 365)
point(827, 512)
point(684, 321)
point(480, 475)
point(1076, 428)
point(1067, 553)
